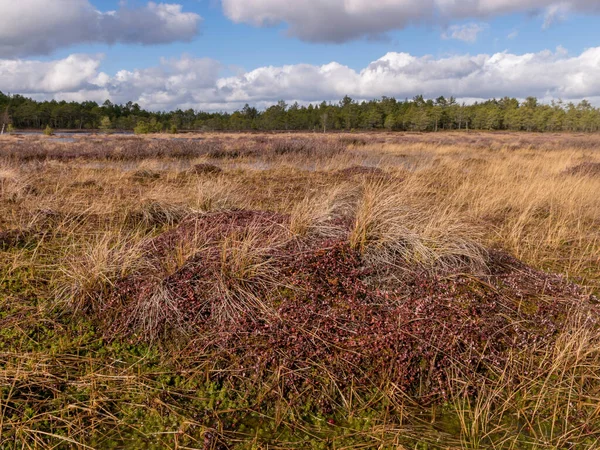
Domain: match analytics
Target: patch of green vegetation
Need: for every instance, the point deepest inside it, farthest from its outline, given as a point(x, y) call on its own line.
point(146, 127)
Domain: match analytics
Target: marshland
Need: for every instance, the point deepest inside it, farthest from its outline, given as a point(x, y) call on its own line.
point(300, 290)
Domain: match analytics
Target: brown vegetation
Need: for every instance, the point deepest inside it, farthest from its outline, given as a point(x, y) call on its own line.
point(300, 291)
point(586, 168)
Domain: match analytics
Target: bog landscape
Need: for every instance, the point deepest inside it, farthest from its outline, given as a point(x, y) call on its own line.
point(300, 290)
point(299, 225)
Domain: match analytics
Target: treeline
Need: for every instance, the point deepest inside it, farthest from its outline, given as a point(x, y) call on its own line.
point(417, 114)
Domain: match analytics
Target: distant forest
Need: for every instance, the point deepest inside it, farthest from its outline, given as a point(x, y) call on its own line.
point(418, 114)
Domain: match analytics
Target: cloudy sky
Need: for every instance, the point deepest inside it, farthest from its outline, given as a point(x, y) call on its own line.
point(221, 54)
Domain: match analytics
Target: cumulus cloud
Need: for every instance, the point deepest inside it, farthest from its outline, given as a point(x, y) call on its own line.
point(40, 77)
point(196, 83)
point(343, 20)
point(34, 27)
point(467, 33)
point(329, 20)
point(174, 83)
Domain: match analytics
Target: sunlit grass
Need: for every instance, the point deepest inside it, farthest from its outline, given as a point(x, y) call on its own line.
point(71, 229)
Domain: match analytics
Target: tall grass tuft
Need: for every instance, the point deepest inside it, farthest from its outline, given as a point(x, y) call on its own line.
point(388, 226)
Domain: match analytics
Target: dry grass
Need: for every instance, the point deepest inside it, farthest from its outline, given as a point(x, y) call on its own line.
point(386, 223)
point(321, 212)
point(219, 193)
point(247, 271)
point(89, 269)
point(76, 220)
point(550, 392)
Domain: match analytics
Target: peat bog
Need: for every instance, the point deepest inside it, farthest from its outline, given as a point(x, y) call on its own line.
point(301, 290)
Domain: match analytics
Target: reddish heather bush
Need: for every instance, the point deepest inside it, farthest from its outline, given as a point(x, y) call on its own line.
point(133, 149)
point(192, 273)
point(308, 147)
point(325, 319)
point(331, 318)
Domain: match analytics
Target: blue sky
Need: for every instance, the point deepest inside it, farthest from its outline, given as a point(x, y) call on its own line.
point(250, 40)
point(251, 47)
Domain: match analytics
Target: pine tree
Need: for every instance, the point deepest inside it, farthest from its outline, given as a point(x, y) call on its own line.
point(105, 124)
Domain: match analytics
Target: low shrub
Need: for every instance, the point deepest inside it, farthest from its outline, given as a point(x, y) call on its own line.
point(205, 169)
point(591, 169)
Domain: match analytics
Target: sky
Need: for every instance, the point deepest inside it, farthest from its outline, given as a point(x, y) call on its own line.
point(217, 55)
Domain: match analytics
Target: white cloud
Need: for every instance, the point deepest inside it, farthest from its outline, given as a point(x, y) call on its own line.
point(173, 83)
point(556, 13)
point(33, 27)
point(343, 20)
point(467, 32)
point(513, 34)
point(195, 82)
point(39, 77)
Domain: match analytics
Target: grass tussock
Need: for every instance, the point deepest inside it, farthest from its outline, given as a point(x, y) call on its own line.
point(322, 213)
point(216, 266)
point(156, 214)
point(217, 194)
point(90, 269)
point(387, 225)
point(300, 291)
